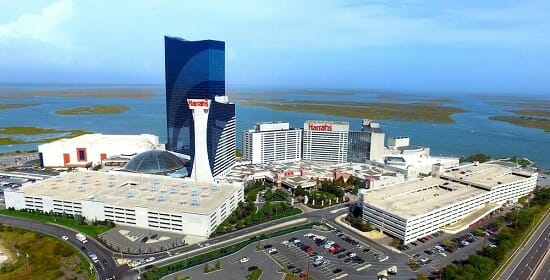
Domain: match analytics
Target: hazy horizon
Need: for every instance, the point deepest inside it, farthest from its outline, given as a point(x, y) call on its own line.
point(489, 47)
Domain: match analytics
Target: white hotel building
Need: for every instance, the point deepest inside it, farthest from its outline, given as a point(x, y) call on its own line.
point(140, 200)
point(456, 199)
point(325, 141)
point(272, 142)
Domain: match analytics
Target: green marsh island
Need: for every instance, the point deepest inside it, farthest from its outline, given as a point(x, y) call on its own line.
point(93, 110)
point(423, 111)
point(13, 106)
point(12, 135)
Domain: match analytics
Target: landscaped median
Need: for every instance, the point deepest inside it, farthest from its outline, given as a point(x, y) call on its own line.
point(76, 223)
point(162, 271)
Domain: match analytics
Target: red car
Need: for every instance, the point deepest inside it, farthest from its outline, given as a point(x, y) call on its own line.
point(304, 275)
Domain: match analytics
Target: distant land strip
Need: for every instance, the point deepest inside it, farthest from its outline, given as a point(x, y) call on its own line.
point(422, 111)
point(12, 106)
point(93, 110)
point(530, 122)
point(528, 112)
point(93, 93)
point(30, 130)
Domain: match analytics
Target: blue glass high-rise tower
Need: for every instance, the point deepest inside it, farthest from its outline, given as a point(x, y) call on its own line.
point(196, 70)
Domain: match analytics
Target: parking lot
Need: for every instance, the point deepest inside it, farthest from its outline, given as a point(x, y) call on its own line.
point(329, 255)
point(233, 268)
point(435, 252)
point(302, 252)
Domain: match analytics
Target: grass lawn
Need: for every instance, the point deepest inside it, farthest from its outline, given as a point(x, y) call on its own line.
point(41, 257)
point(254, 274)
point(93, 110)
point(91, 230)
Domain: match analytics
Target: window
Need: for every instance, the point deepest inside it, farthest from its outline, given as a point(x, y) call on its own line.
point(81, 154)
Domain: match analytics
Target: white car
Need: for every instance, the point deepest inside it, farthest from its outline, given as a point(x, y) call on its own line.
point(297, 241)
point(285, 242)
point(318, 258)
point(244, 259)
point(93, 257)
point(272, 250)
point(64, 237)
point(352, 255)
point(443, 254)
point(150, 259)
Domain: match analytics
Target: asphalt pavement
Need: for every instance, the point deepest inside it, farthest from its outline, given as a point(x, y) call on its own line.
point(530, 256)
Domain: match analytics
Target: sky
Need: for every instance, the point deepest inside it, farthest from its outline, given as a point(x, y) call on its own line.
point(490, 46)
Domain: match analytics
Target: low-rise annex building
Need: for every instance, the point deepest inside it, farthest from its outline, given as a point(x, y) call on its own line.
point(416, 208)
point(92, 149)
point(141, 200)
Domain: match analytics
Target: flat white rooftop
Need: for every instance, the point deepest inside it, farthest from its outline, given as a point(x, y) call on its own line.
point(144, 141)
point(413, 198)
point(157, 193)
point(487, 175)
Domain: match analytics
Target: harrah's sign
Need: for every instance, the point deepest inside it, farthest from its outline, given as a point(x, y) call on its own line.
point(197, 102)
point(319, 127)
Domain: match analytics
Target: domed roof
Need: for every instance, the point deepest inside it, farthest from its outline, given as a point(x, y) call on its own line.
point(155, 161)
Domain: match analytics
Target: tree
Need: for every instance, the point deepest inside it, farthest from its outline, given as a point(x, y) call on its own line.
point(396, 242)
point(421, 276)
point(299, 191)
point(268, 195)
point(238, 153)
point(477, 157)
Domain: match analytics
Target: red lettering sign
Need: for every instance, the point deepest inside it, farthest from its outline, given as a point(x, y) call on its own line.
point(197, 102)
point(319, 127)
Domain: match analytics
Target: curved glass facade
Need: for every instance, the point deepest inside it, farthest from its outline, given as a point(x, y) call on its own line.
point(153, 162)
point(196, 70)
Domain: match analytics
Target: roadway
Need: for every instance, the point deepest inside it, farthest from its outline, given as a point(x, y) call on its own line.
point(108, 267)
point(529, 262)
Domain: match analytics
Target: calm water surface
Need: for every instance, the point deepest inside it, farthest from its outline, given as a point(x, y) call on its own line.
point(472, 132)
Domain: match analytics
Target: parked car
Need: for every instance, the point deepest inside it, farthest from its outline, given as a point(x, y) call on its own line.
point(254, 267)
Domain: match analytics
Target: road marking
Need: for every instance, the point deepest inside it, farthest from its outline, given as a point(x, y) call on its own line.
point(364, 267)
point(338, 210)
point(341, 276)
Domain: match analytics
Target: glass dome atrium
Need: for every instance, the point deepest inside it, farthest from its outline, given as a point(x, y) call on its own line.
point(154, 162)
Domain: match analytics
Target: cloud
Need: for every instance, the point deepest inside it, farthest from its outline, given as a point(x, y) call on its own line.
point(44, 26)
